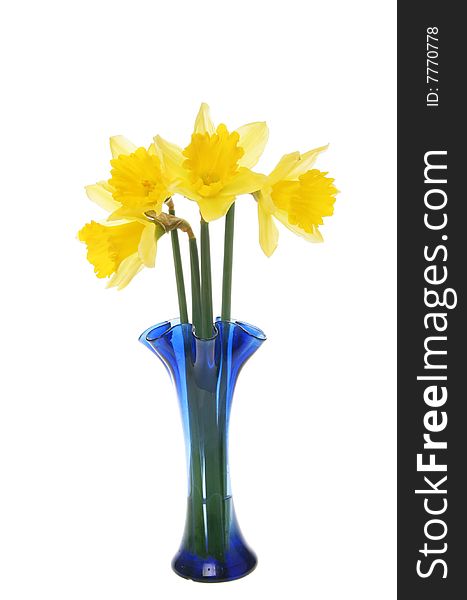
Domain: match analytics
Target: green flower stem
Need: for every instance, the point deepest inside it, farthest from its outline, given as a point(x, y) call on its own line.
point(209, 516)
point(195, 286)
point(195, 520)
point(222, 419)
point(209, 511)
point(214, 478)
point(228, 258)
point(206, 285)
point(179, 274)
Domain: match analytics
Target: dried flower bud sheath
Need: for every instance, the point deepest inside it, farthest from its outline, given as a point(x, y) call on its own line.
point(170, 205)
point(170, 222)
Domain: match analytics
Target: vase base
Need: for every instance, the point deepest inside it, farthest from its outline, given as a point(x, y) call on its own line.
point(207, 570)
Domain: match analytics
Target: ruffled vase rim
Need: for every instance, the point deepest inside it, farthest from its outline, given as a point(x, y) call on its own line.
point(156, 332)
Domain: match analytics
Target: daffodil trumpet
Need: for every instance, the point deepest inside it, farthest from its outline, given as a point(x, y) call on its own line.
point(212, 170)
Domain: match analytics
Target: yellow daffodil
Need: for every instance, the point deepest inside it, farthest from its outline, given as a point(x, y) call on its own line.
point(120, 249)
point(138, 182)
point(297, 196)
point(215, 167)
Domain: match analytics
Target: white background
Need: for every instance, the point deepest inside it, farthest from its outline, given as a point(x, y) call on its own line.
point(92, 468)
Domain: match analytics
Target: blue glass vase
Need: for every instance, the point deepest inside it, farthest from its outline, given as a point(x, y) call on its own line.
point(204, 372)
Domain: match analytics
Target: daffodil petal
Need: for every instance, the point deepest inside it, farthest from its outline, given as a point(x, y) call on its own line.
point(244, 182)
point(102, 196)
point(147, 246)
point(106, 185)
point(171, 158)
point(268, 233)
point(203, 122)
point(215, 207)
point(314, 237)
point(253, 139)
point(283, 167)
point(120, 145)
point(306, 161)
point(128, 214)
point(184, 190)
point(128, 268)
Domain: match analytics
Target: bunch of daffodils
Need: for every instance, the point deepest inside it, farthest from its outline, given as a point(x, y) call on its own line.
point(212, 170)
